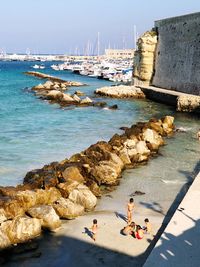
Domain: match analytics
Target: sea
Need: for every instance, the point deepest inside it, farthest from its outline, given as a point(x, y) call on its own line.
point(34, 132)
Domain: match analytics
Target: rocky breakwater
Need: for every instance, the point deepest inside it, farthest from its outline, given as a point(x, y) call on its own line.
point(67, 189)
point(188, 103)
point(54, 93)
point(52, 78)
point(121, 91)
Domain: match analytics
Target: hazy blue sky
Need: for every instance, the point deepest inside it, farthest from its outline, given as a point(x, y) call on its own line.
point(59, 26)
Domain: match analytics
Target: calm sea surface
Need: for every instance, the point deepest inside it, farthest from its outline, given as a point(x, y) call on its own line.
point(34, 133)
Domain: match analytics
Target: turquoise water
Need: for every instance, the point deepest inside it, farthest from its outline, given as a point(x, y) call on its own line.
point(34, 133)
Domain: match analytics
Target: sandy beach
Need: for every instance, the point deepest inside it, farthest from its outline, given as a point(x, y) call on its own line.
point(72, 246)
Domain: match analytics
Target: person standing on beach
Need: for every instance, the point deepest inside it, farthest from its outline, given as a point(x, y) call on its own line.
point(94, 229)
point(130, 207)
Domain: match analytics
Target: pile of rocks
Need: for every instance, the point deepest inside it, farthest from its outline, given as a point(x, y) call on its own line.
point(121, 91)
point(188, 103)
point(54, 93)
point(68, 188)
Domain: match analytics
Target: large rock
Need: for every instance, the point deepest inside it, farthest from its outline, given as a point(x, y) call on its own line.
point(167, 124)
point(48, 85)
point(188, 103)
point(156, 126)
point(86, 100)
point(46, 177)
point(67, 98)
point(50, 220)
point(124, 156)
point(153, 138)
point(22, 229)
point(67, 187)
point(12, 207)
point(83, 196)
point(54, 95)
point(108, 169)
point(76, 98)
point(2, 216)
point(67, 209)
point(4, 239)
point(121, 91)
point(30, 198)
point(105, 173)
point(72, 173)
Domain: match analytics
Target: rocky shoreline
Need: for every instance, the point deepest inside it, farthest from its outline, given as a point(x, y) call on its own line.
point(54, 93)
point(121, 91)
point(67, 189)
point(182, 102)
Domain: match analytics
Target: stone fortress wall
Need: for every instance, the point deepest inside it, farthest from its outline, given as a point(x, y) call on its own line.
point(177, 55)
point(168, 56)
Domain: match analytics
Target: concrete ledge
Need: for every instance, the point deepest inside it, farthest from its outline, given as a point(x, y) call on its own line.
point(179, 243)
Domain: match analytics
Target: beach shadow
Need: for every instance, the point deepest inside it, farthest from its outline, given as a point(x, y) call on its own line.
point(61, 250)
point(155, 206)
point(88, 232)
point(121, 216)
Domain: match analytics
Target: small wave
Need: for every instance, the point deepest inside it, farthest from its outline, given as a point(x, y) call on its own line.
point(183, 129)
point(173, 181)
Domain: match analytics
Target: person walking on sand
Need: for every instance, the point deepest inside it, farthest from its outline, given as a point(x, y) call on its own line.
point(130, 207)
point(94, 229)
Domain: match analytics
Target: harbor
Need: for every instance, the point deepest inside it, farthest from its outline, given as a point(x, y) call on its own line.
point(100, 137)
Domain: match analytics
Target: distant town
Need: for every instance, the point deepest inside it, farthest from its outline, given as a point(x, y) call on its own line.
point(109, 54)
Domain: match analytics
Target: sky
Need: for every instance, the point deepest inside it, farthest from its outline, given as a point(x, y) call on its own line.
point(72, 27)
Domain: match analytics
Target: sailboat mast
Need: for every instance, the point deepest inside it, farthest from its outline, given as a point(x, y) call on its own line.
point(98, 44)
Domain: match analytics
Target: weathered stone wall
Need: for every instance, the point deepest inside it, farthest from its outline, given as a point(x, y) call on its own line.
point(144, 58)
point(177, 63)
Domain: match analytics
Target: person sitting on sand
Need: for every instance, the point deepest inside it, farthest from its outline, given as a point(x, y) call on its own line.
point(148, 227)
point(129, 229)
point(139, 234)
point(130, 207)
point(94, 229)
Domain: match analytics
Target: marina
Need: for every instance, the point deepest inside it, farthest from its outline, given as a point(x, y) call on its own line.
point(100, 137)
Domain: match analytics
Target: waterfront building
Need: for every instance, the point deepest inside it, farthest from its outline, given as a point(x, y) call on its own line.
point(119, 53)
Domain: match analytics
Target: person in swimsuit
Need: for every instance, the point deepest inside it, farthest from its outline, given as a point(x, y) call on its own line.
point(129, 229)
point(130, 207)
point(139, 234)
point(148, 227)
point(94, 229)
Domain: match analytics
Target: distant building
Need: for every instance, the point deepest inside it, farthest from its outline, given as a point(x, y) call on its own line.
point(119, 53)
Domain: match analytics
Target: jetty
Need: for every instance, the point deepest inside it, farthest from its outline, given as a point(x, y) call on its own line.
point(52, 78)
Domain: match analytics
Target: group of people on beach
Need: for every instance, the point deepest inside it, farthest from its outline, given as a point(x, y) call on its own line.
point(133, 229)
point(136, 230)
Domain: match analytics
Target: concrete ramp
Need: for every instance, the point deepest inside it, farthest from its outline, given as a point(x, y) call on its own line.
point(179, 245)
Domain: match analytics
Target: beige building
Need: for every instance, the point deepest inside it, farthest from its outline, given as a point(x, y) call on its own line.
point(119, 53)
